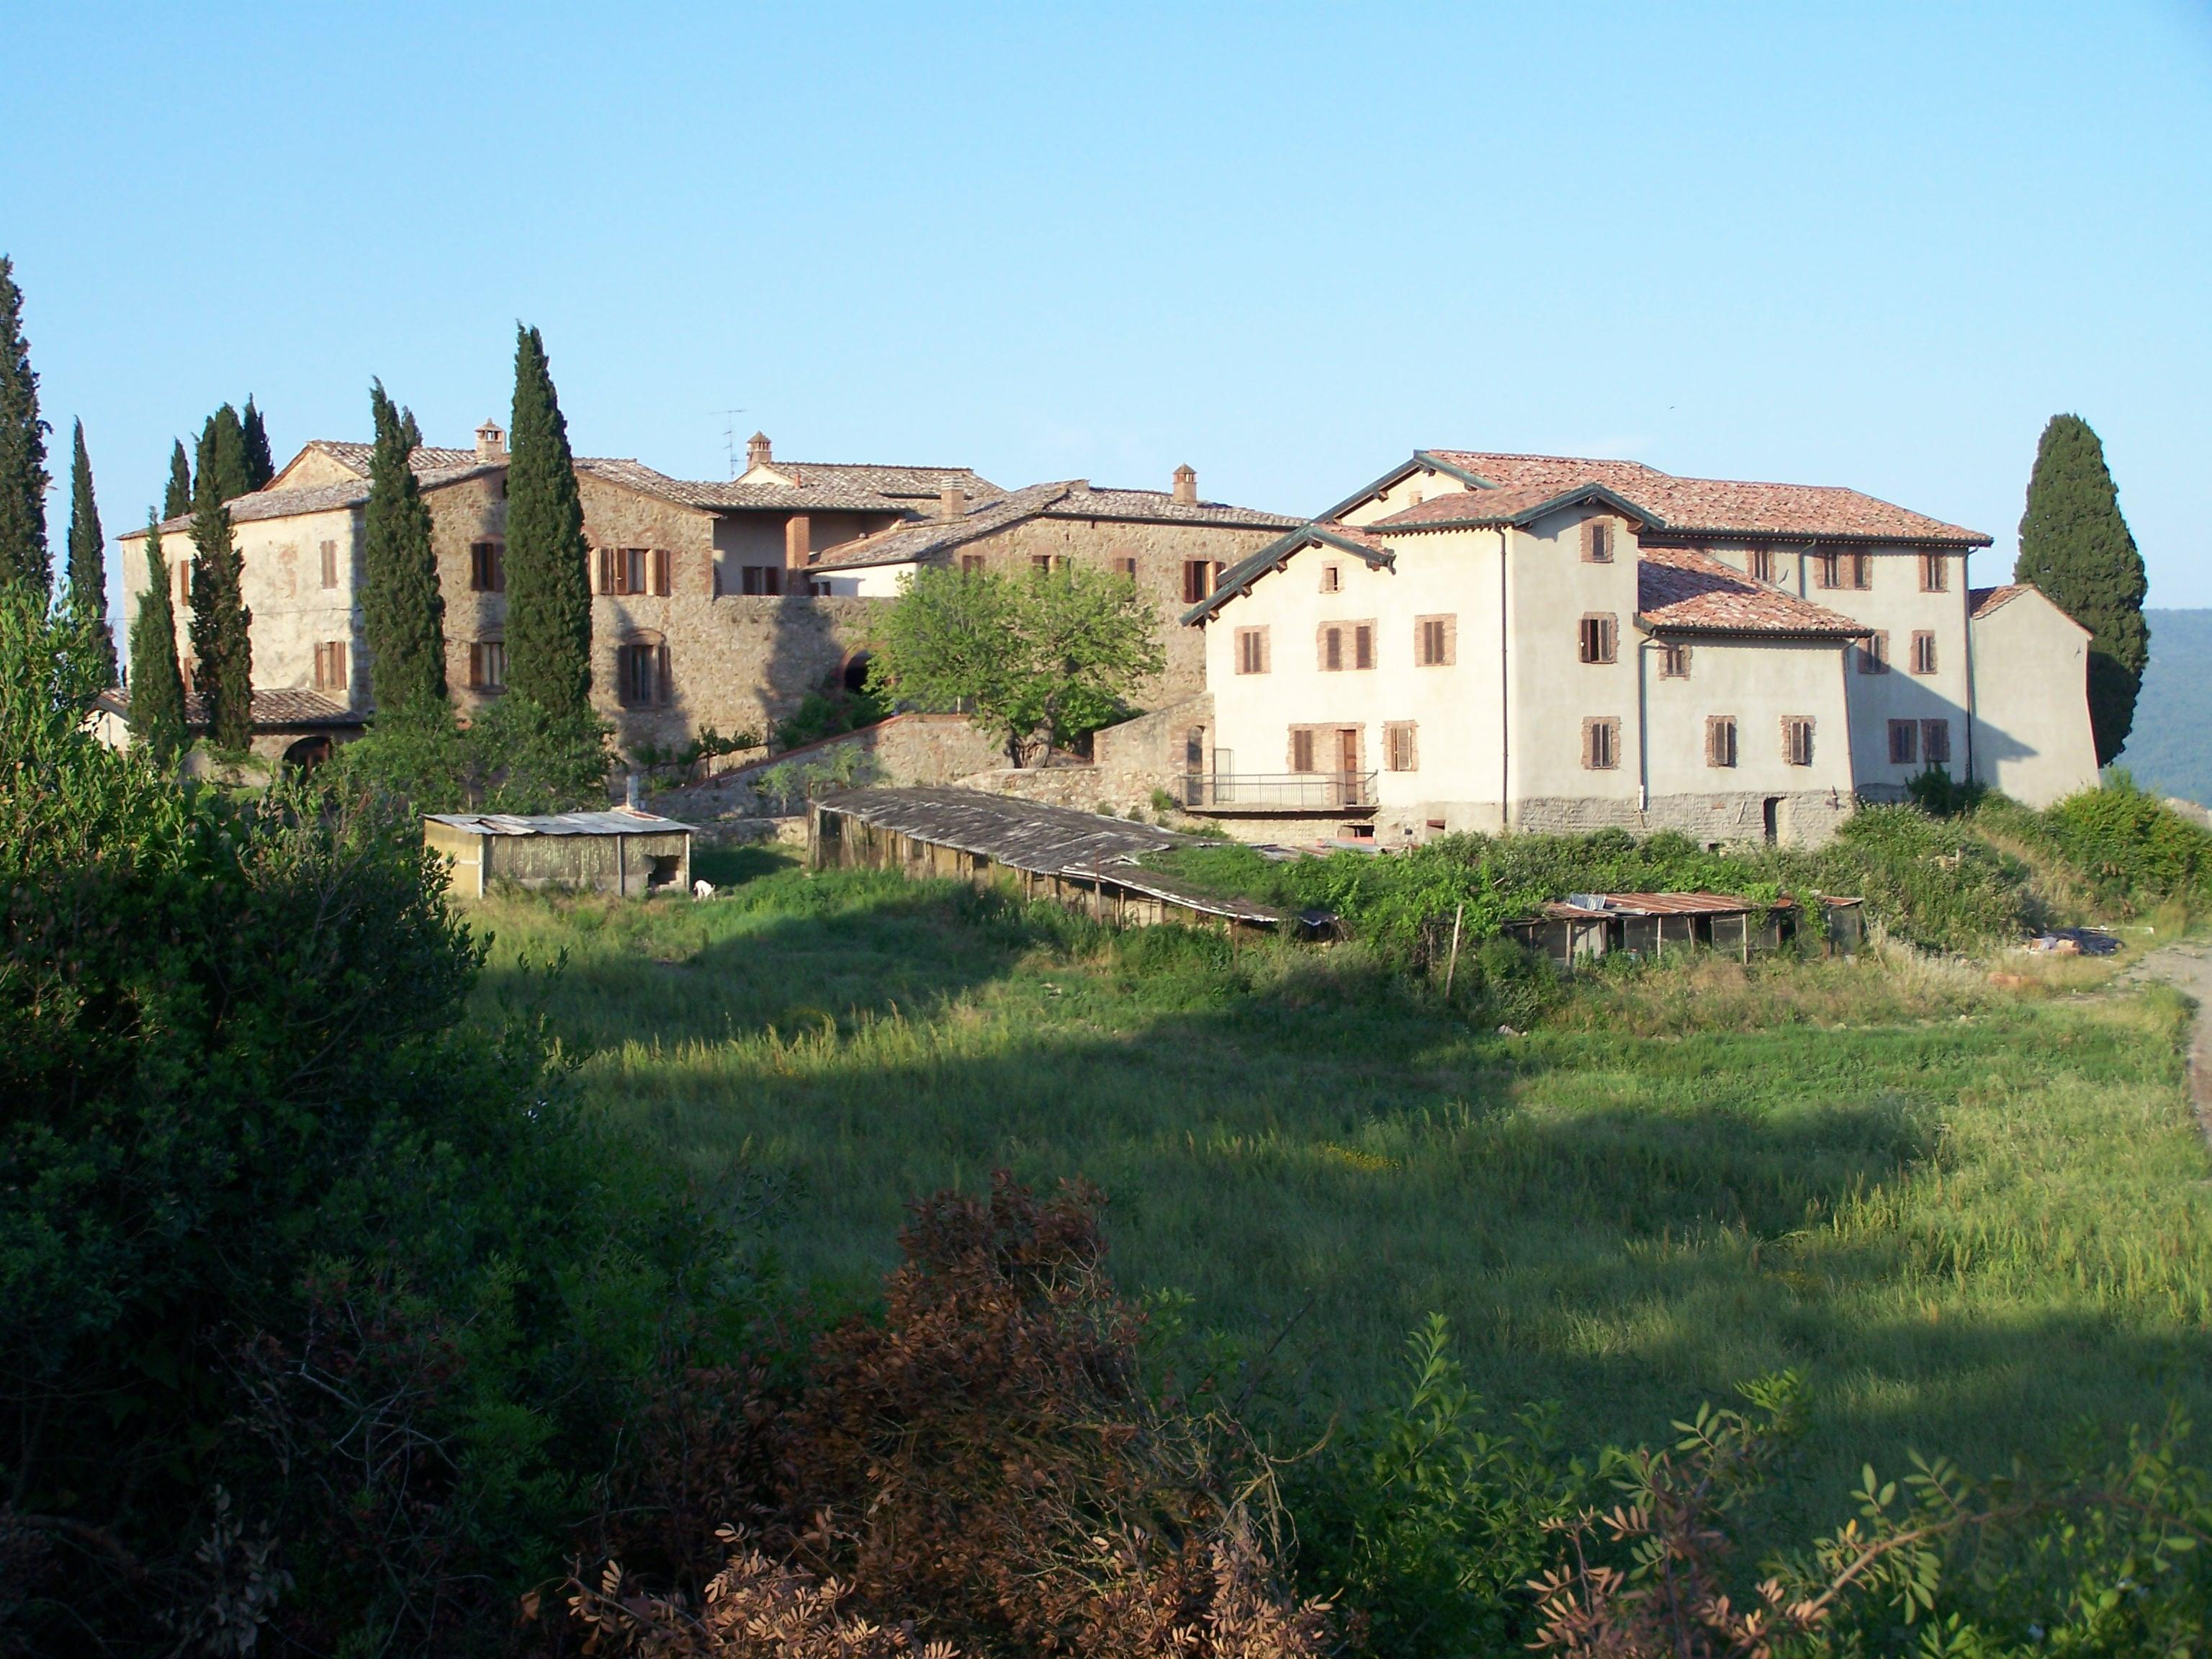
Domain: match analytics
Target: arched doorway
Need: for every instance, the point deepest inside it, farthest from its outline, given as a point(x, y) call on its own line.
point(308, 753)
point(854, 677)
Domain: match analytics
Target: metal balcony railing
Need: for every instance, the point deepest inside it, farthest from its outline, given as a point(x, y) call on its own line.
point(1310, 792)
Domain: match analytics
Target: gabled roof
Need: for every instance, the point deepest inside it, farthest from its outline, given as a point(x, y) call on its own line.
point(930, 538)
point(270, 709)
point(1462, 509)
point(854, 478)
point(268, 503)
point(1690, 506)
point(1681, 591)
point(355, 458)
point(1239, 577)
point(1981, 601)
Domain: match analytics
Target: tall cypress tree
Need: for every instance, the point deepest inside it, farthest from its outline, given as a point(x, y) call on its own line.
point(222, 458)
point(157, 689)
point(23, 477)
point(549, 594)
point(178, 500)
point(260, 468)
point(221, 631)
point(88, 566)
point(2074, 545)
point(403, 611)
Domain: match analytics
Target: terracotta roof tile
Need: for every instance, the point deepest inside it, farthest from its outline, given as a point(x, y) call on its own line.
point(1677, 588)
point(855, 478)
point(930, 538)
point(1980, 601)
point(1485, 507)
point(1715, 505)
point(270, 709)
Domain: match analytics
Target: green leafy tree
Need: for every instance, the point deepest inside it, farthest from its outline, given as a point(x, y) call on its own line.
point(549, 595)
point(253, 438)
point(221, 627)
point(23, 477)
point(403, 610)
point(1047, 660)
point(157, 687)
point(2075, 546)
point(88, 568)
point(178, 501)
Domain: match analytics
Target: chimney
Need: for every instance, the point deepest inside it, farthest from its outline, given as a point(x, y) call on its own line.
point(757, 452)
point(952, 502)
point(491, 442)
point(1186, 484)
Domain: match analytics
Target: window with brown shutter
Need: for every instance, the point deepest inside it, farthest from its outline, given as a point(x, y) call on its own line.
point(1873, 653)
point(971, 564)
point(1924, 651)
point(641, 674)
point(1198, 579)
point(1934, 574)
point(606, 569)
point(1436, 640)
point(330, 550)
point(761, 579)
point(1673, 661)
point(1936, 742)
point(487, 665)
point(1904, 742)
point(1399, 752)
point(1332, 578)
point(1760, 564)
point(331, 666)
point(1798, 740)
point(1599, 638)
point(1862, 570)
point(1331, 648)
point(1126, 566)
point(662, 559)
point(1252, 650)
point(487, 567)
point(1600, 745)
point(1828, 569)
point(1597, 542)
point(1041, 563)
point(1720, 740)
point(1363, 645)
point(1301, 748)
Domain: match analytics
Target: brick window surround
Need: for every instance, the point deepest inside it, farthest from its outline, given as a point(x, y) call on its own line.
point(487, 567)
point(1597, 542)
point(1251, 655)
point(1436, 641)
point(1720, 740)
point(1924, 651)
point(1798, 740)
point(487, 665)
point(1904, 742)
point(1874, 653)
point(1600, 745)
point(1934, 574)
point(1936, 742)
point(1598, 637)
point(641, 672)
point(1673, 661)
point(1343, 646)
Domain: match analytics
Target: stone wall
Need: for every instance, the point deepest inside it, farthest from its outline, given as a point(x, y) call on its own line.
point(903, 751)
point(1805, 818)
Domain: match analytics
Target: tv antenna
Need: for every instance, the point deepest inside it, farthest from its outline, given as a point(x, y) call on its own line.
point(730, 436)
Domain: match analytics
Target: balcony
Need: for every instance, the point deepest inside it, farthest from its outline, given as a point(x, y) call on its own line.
point(1275, 794)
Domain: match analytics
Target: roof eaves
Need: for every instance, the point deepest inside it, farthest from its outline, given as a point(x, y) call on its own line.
point(1810, 631)
point(1239, 577)
point(1575, 495)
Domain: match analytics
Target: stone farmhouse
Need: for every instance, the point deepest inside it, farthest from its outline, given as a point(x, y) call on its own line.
point(1495, 642)
point(1172, 544)
point(718, 605)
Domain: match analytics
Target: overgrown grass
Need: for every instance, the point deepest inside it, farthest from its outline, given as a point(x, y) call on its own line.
point(1978, 1217)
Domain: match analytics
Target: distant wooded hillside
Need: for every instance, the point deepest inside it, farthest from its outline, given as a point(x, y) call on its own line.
point(2170, 751)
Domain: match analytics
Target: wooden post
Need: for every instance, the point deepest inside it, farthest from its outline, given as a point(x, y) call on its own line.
point(1459, 914)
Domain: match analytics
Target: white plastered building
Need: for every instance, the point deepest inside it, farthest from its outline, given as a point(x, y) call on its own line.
point(1504, 642)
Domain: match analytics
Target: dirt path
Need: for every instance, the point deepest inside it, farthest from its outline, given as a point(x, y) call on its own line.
point(2188, 968)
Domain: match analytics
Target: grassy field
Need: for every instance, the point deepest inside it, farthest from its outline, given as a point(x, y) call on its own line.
point(1975, 1217)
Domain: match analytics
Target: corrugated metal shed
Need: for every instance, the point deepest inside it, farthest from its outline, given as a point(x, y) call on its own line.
point(617, 822)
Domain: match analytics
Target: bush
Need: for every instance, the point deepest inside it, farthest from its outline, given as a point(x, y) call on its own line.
point(831, 715)
point(319, 1303)
point(513, 757)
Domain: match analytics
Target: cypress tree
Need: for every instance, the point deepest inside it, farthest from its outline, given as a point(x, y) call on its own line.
point(157, 689)
point(23, 477)
point(403, 611)
point(259, 467)
point(222, 458)
point(88, 566)
point(548, 595)
point(178, 500)
point(2074, 545)
point(221, 628)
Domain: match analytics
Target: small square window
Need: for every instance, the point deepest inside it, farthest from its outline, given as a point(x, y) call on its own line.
point(1126, 566)
point(1673, 661)
point(971, 564)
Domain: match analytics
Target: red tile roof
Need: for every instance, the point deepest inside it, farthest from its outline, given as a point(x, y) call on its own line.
point(1483, 507)
point(1715, 506)
point(1679, 588)
point(1980, 601)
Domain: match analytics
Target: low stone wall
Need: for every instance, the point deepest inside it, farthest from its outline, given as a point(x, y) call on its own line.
point(1807, 818)
point(904, 750)
point(1115, 790)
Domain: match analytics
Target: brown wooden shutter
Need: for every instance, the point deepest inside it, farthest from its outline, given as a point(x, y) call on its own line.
point(660, 571)
point(661, 689)
point(1363, 646)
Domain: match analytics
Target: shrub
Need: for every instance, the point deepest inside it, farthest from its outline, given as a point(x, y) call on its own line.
point(513, 757)
point(830, 715)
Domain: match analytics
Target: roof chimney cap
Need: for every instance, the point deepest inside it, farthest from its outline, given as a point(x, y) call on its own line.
point(952, 502)
point(1186, 483)
point(758, 451)
point(491, 441)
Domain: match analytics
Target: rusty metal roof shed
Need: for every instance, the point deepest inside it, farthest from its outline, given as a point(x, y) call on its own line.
point(617, 822)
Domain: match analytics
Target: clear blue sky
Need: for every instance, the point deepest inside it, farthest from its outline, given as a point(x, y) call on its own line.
point(1868, 245)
